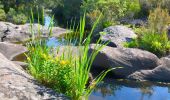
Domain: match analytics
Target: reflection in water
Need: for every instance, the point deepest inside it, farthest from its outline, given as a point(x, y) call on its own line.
point(146, 91)
point(54, 42)
point(106, 89)
point(130, 90)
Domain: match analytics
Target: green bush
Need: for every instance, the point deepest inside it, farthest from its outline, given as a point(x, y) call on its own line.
point(10, 14)
point(133, 9)
point(153, 37)
point(16, 17)
point(20, 19)
point(153, 42)
point(112, 11)
point(2, 15)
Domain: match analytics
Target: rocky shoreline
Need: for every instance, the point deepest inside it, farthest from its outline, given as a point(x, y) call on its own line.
point(20, 33)
point(136, 64)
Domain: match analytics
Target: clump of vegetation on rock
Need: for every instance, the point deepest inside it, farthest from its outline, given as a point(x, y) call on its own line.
point(63, 71)
point(16, 17)
point(154, 37)
point(20, 19)
point(2, 15)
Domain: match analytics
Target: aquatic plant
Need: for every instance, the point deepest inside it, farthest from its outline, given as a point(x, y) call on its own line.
point(64, 71)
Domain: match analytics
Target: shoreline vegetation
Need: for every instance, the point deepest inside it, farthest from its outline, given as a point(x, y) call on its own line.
point(65, 72)
point(140, 29)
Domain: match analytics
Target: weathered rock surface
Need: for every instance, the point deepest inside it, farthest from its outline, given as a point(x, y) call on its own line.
point(15, 84)
point(10, 50)
point(130, 59)
point(24, 65)
point(19, 33)
point(117, 35)
point(160, 73)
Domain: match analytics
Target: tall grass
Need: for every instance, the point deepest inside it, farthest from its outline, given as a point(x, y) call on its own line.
point(62, 69)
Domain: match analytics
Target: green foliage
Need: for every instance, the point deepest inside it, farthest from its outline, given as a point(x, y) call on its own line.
point(55, 72)
point(112, 10)
point(133, 9)
point(65, 72)
point(153, 42)
point(20, 19)
point(153, 37)
point(132, 44)
point(10, 14)
point(156, 43)
point(16, 17)
point(2, 15)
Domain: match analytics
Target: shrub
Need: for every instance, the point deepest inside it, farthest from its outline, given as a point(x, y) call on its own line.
point(2, 15)
point(153, 37)
point(153, 42)
point(112, 10)
point(10, 14)
point(20, 19)
point(133, 9)
point(16, 17)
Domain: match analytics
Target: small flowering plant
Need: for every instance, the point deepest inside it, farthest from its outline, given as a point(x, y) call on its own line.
point(55, 72)
point(66, 73)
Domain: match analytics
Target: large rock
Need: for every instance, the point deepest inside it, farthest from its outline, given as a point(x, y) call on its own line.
point(160, 73)
point(117, 35)
point(130, 59)
point(19, 33)
point(15, 84)
point(10, 50)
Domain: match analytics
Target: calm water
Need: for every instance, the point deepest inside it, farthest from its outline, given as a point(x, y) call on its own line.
point(131, 91)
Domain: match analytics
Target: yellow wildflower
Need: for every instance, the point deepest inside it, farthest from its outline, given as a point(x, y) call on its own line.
point(63, 62)
point(44, 56)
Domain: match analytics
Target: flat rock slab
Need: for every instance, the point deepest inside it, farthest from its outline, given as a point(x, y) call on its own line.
point(20, 33)
point(15, 84)
point(10, 50)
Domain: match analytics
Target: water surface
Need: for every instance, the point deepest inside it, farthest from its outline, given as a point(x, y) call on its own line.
point(131, 90)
